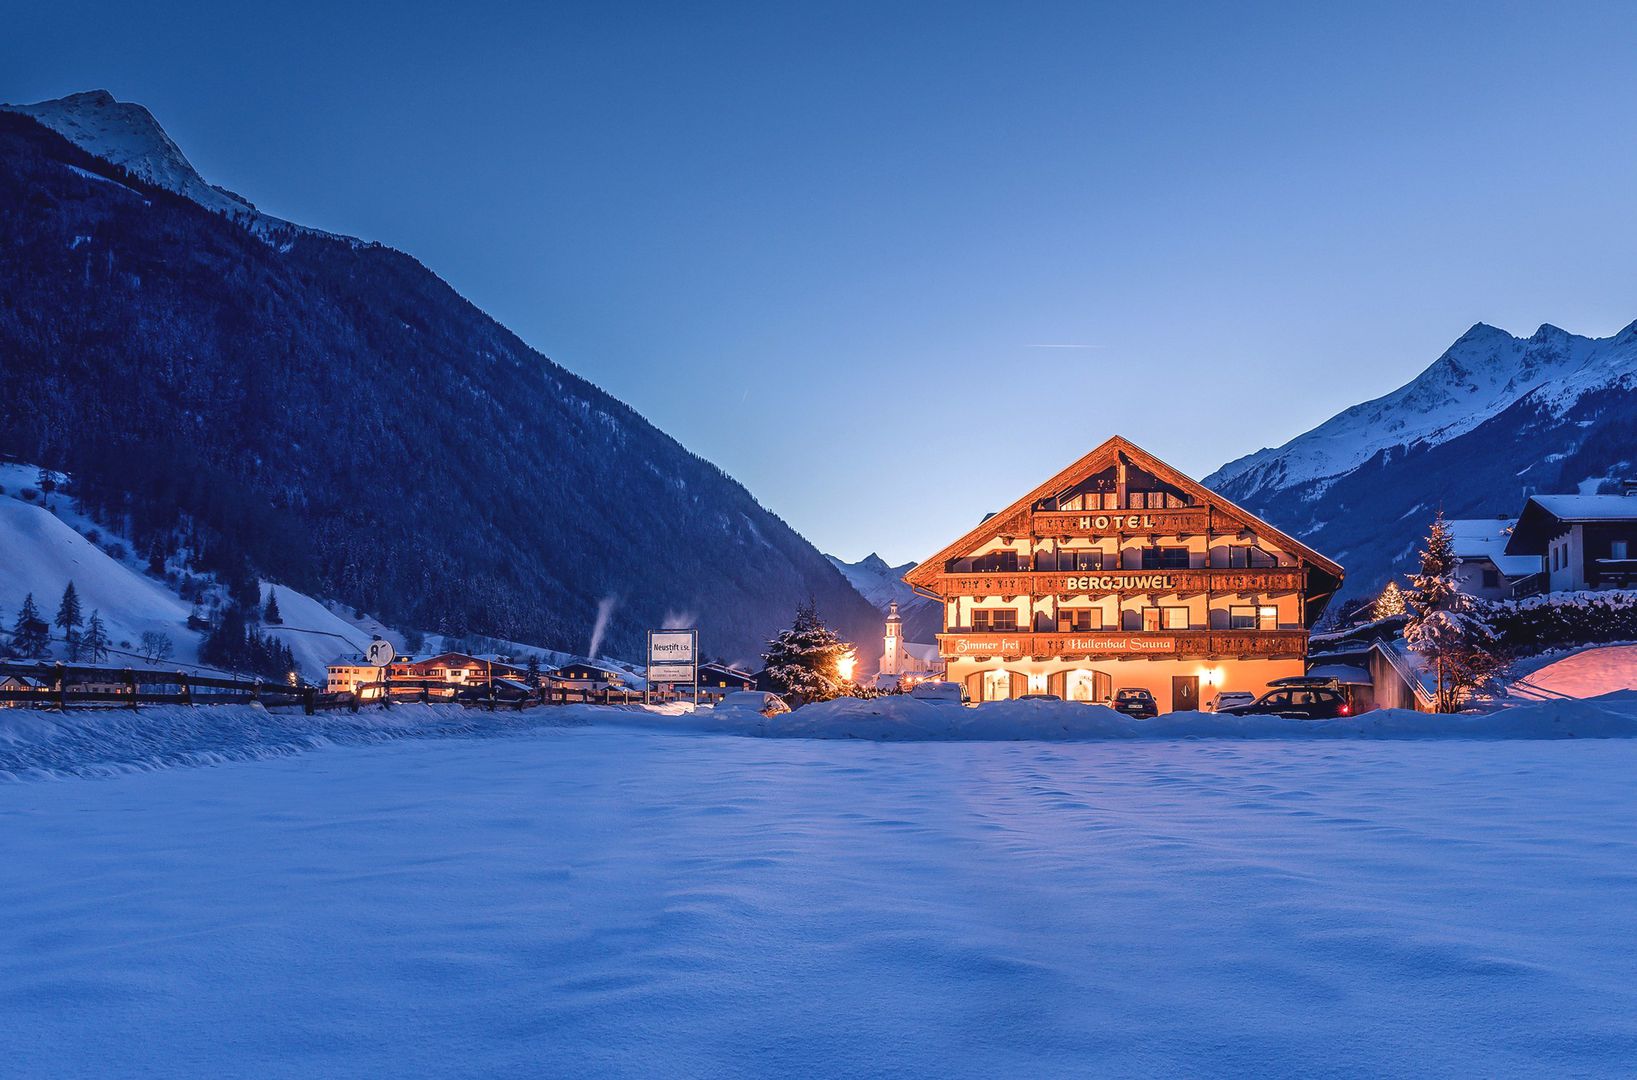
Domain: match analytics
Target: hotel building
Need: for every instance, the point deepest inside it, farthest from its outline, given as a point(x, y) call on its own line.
point(1121, 572)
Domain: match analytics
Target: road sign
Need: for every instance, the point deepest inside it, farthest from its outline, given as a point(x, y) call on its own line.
point(380, 652)
point(673, 658)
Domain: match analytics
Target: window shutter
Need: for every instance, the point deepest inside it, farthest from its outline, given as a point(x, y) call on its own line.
point(974, 686)
point(1020, 684)
point(1058, 683)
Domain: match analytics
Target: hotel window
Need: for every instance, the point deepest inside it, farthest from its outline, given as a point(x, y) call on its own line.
point(1248, 617)
point(994, 620)
point(1492, 579)
point(1079, 620)
point(1071, 560)
point(1554, 557)
point(1618, 549)
point(1241, 557)
point(1164, 618)
point(1165, 558)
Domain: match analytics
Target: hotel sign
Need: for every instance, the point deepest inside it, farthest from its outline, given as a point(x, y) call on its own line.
point(1057, 645)
point(1162, 522)
point(1177, 643)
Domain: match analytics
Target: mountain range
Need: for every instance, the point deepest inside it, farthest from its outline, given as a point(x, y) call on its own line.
point(883, 585)
point(1492, 420)
point(288, 403)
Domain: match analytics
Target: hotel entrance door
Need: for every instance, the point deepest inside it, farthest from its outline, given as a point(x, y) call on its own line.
point(1185, 693)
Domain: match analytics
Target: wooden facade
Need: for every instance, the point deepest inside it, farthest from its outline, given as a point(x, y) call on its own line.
point(1122, 562)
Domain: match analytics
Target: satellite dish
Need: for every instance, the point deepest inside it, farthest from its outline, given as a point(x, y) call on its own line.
point(380, 652)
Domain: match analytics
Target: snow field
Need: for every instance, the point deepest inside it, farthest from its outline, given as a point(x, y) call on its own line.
point(595, 901)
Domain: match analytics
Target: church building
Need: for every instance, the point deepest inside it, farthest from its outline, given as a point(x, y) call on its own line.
point(1120, 572)
point(904, 663)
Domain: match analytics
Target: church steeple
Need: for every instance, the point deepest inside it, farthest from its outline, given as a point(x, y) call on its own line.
point(894, 642)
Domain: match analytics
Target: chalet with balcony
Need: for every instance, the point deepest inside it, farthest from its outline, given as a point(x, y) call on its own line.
point(1582, 541)
point(1122, 572)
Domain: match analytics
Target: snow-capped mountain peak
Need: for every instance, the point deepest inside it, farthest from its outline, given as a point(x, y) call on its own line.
point(1485, 372)
point(126, 134)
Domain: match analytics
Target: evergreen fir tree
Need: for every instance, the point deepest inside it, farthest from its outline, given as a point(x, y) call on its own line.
point(30, 634)
point(70, 620)
point(270, 614)
point(96, 639)
point(1444, 624)
point(533, 676)
point(804, 660)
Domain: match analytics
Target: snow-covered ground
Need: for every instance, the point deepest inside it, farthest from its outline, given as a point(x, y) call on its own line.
point(544, 894)
point(1577, 673)
point(42, 553)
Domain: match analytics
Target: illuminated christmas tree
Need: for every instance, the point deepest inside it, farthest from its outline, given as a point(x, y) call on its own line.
point(1390, 602)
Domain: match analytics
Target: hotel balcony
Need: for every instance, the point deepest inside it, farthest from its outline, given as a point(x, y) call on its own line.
point(1182, 581)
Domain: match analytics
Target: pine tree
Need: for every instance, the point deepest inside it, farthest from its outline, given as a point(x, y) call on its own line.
point(533, 676)
point(30, 634)
point(96, 639)
point(70, 620)
point(47, 483)
point(804, 660)
point(1389, 603)
point(1444, 625)
point(271, 613)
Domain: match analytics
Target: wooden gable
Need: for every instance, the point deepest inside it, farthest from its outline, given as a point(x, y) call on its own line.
point(1017, 519)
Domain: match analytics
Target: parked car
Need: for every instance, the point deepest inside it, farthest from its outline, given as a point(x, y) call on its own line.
point(1300, 703)
point(1038, 697)
point(1228, 699)
point(936, 690)
point(761, 701)
point(1136, 702)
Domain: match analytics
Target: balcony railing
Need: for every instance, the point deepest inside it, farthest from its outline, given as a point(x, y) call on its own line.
point(1216, 579)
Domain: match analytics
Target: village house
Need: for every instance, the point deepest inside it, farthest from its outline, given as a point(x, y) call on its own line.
point(1120, 572)
point(717, 681)
point(1580, 541)
point(1486, 571)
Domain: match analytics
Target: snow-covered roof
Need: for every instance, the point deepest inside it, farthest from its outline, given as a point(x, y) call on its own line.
point(1543, 515)
point(1588, 507)
point(1485, 538)
point(1342, 673)
point(927, 654)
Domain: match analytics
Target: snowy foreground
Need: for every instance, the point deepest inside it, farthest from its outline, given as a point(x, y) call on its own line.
point(570, 892)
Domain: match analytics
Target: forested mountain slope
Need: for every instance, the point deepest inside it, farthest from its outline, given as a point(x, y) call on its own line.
point(331, 414)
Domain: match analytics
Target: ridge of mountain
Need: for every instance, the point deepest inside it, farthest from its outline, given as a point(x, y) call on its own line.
point(333, 415)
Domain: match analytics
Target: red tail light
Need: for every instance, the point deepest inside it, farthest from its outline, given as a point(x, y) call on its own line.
point(1345, 710)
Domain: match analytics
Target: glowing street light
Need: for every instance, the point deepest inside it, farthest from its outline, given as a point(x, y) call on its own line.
point(845, 666)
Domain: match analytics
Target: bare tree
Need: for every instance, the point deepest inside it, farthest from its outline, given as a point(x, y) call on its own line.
point(156, 647)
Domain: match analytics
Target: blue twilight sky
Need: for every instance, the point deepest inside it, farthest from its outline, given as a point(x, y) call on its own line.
point(892, 264)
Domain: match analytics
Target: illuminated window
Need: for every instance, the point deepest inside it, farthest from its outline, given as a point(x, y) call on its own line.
point(1267, 617)
point(994, 620)
point(997, 685)
point(1079, 620)
point(1164, 618)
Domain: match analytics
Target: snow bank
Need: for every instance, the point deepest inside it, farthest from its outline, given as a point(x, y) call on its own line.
point(906, 719)
point(109, 742)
